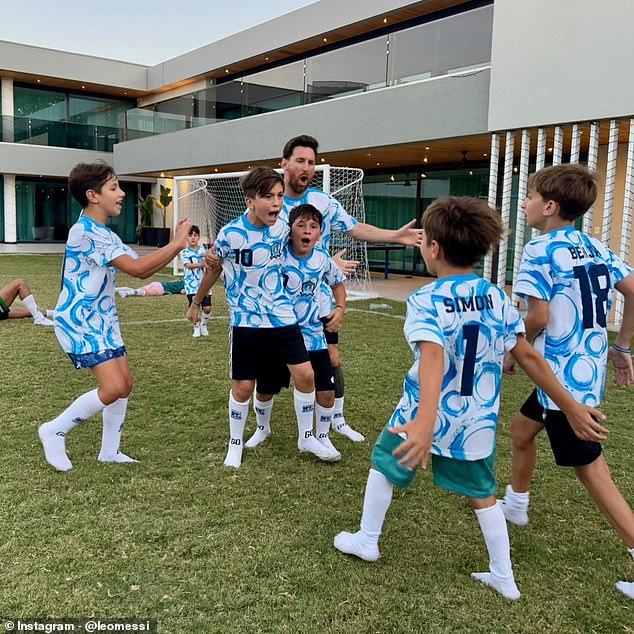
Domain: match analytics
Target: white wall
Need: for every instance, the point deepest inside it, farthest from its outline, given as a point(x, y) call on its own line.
point(556, 61)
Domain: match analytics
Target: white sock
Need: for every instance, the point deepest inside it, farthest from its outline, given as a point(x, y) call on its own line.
point(263, 411)
point(519, 501)
point(337, 416)
point(50, 313)
point(204, 318)
point(238, 413)
point(496, 537)
point(53, 433)
point(631, 551)
point(139, 292)
point(304, 408)
point(323, 420)
point(376, 502)
point(31, 306)
point(113, 421)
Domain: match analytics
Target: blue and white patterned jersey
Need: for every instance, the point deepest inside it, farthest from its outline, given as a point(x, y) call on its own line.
point(576, 274)
point(192, 277)
point(303, 278)
point(252, 264)
point(335, 218)
point(86, 318)
point(475, 323)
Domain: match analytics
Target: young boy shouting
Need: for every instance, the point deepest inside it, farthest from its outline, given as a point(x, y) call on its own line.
point(459, 328)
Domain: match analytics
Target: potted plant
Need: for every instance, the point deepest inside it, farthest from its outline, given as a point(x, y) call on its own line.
point(163, 202)
point(145, 233)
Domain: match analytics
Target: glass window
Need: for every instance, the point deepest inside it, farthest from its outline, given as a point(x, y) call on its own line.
point(220, 102)
point(274, 89)
point(448, 45)
point(355, 68)
point(1, 209)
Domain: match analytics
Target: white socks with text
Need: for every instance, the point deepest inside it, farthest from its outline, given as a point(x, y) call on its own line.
point(263, 410)
point(113, 421)
point(238, 413)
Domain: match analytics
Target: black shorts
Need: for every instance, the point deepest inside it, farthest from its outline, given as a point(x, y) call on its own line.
point(255, 350)
point(331, 337)
point(568, 449)
point(206, 300)
point(277, 377)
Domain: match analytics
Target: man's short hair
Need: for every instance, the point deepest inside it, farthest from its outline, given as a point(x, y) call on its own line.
point(466, 228)
point(303, 140)
point(573, 187)
point(260, 181)
point(85, 176)
point(305, 211)
point(194, 229)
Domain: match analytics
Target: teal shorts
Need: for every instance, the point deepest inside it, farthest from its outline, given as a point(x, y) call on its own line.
point(473, 478)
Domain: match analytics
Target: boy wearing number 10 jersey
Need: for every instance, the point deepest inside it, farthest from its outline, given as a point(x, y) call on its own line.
point(568, 279)
point(459, 328)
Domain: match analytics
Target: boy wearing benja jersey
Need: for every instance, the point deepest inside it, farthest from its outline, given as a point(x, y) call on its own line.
point(193, 260)
point(263, 322)
point(459, 328)
point(568, 279)
point(306, 268)
point(298, 162)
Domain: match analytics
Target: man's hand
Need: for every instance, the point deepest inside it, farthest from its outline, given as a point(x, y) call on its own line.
point(583, 420)
point(415, 450)
point(182, 232)
point(509, 364)
point(408, 235)
point(193, 313)
point(623, 370)
point(211, 259)
point(334, 320)
point(345, 266)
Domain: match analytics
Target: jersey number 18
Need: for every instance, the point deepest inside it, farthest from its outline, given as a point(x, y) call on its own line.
point(589, 284)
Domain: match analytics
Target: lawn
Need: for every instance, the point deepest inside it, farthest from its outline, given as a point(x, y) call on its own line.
point(202, 548)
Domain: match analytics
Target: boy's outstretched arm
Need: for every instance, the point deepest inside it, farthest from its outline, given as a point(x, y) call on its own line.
point(336, 316)
point(147, 265)
point(406, 235)
point(535, 321)
point(209, 279)
point(622, 361)
point(420, 431)
point(581, 417)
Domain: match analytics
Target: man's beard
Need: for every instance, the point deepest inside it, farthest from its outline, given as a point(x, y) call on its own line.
point(298, 187)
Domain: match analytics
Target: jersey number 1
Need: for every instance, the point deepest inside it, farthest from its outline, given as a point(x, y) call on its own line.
point(589, 284)
point(470, 334)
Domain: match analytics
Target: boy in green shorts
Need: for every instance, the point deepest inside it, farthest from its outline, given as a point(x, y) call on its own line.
point(459, 328)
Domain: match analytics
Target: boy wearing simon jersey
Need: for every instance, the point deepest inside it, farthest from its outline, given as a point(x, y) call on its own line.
point(459, 328)
point(568, 279)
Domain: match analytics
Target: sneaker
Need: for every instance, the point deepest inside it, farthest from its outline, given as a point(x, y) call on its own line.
point(326, 442)
point(626, 587)
point(354, 544)
point(196, 331)
point(506, 587)
point(312, 445)
point(42, 321)
point(203, 330)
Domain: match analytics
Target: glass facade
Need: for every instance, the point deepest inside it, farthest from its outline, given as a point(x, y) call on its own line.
point(448, 45)
point(64, 119)
point(46, 210)
point(1, 209)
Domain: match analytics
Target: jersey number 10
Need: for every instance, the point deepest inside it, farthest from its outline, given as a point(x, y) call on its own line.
point(589, 284)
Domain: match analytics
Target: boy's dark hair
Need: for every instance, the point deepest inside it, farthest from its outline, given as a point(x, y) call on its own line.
point(572, 187)
point(260, 181)
point(85, 176)
point(466, 228)
point(194, 229)
point(304, 140)
point(305, 211)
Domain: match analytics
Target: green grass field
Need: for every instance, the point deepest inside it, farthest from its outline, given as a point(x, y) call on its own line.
point(202, 548)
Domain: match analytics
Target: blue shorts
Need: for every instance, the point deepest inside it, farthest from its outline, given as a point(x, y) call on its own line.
point(91, 359)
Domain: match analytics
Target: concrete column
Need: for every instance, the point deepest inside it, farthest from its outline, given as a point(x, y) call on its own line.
point(10, 212)
point(6, 88)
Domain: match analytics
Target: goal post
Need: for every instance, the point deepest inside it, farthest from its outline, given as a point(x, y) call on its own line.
point(212, 200)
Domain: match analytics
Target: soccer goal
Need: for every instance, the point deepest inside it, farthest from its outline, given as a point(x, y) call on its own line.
point(212, 200)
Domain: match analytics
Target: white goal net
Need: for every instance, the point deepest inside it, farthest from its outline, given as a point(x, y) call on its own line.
point(211, 201)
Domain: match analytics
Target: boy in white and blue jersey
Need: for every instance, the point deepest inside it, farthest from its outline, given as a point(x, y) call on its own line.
point(568, 279)
point(298, 162)
point(193, 260)
point(459, 328)
point(306, 269)
point(86, 321)
point(263, 323)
